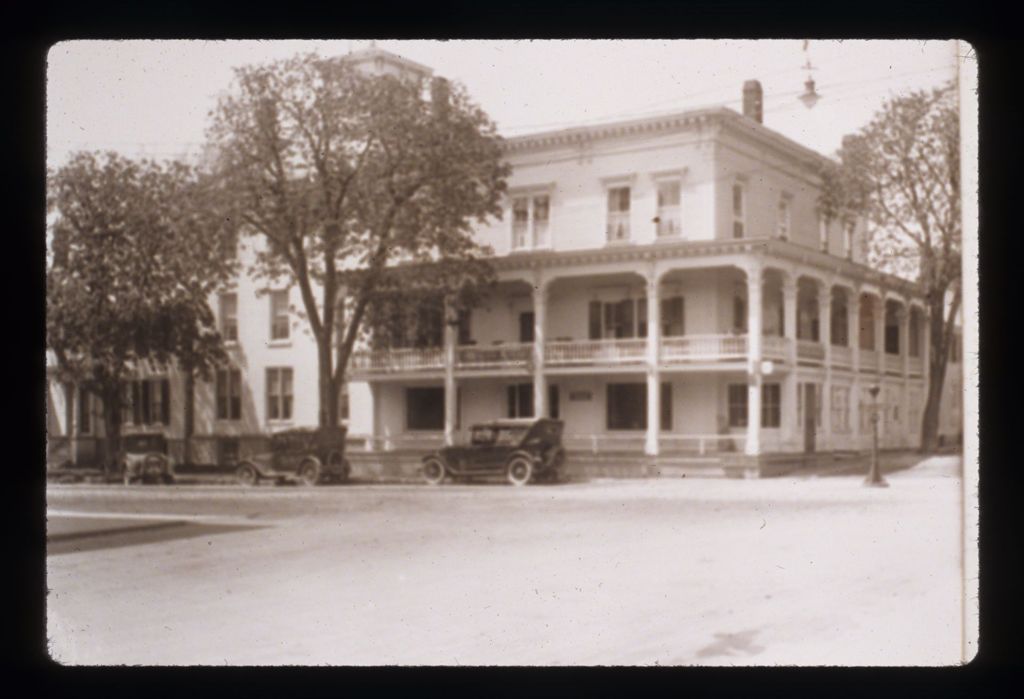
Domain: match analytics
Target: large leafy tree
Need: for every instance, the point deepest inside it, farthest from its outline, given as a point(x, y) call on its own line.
point(902, 171)
point(134, 253)
point(342, 176)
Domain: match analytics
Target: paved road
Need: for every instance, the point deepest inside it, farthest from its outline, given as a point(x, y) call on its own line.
point(794, 571)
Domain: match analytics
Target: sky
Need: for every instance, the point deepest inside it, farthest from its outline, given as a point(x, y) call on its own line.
point(152, 98)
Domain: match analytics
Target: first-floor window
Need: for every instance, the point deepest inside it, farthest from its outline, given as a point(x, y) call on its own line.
point(554, 409)
point(279, 393)
point(228, 391)
point(424, 408)
point(627, 406)
point(840, 409)
point(84, 411)
point(771, 405)
point(147, 401)
point(520, 400)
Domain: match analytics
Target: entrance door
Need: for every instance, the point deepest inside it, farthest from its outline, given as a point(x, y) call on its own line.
point(810, 416)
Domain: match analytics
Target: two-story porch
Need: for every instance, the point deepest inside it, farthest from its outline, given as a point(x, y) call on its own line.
point(749, 347)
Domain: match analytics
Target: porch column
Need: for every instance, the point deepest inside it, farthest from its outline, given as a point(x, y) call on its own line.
point(825, 335)
point(450, 406)
point(755, 312)
point(540, 384)
point(790, 428)
point(652, 445)
point(905, 355)
point(72, 395)
point(853, 334)
point(880, 356)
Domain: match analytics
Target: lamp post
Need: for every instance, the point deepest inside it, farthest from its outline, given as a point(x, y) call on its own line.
point(874, 478)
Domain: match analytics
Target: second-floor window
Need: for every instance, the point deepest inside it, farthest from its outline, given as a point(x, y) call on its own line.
point(669, 219)
point(279, 393)
point(229, 317)
point(530, 218)
point(229, 394)
point(618, 213)
point(148, 401)
point(739, 210)
point(822, 233)
point(783, 219)
point(279, 321)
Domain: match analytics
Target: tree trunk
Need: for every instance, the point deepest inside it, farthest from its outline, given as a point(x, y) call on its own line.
point(190, 413)
point(112, 427)
point(939, 337)
point(328, 394)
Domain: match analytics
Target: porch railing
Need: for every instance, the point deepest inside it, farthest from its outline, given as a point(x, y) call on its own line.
point(397, 360)
point(810, 350)
point(584, 352)
point(513, 355)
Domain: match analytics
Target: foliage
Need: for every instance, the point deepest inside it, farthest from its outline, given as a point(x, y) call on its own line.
point(343, 176)
point(902, 172)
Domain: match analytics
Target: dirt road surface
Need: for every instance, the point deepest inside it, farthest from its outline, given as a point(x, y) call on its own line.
point(636, 572)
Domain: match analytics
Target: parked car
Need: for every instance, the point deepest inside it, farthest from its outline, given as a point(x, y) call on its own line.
point(520, 450)
point(146, 459)
point(307, 455)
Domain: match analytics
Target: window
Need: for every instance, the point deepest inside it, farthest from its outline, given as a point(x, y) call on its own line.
point(892, 334)
point(848, 239)
point(279, 321)
point(229, 317)
point(782, 223)
point(739, 207)
point(530, 219)
point(554, 407)
point(801, 391)
point(228, 390)
point(526, 326)
point(424, 408)
point(840, 326)
point(618, 213)
point(739, 314)
point(617, 319)
point(627, 406)
point(822, 233)
point(673, 317)
point(84, 411)
point(669, 219)
point(867, 324)
point(148, 401)
point(465, 335)
point(840, 409)
point(520, 400)
point(279, 394)
point(771, 401)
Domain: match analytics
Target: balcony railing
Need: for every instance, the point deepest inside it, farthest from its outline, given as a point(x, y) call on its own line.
point(916, 366)
point(590, 352)
point(618, 226)
point(842, 356)
point(695, 348)
point(893, 363)
point(775, 347)
point(810, 350)
point(868, 360)
point(513, 355)
point(398, 360)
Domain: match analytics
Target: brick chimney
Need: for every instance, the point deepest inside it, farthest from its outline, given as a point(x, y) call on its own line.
point(753, 101)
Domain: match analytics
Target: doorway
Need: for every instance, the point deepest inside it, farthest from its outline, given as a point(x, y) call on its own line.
point(810, 415)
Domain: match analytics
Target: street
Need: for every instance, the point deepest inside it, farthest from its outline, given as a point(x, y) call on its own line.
point(655, 571)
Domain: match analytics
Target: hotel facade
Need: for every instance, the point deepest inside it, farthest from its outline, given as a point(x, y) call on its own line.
point(665, 286)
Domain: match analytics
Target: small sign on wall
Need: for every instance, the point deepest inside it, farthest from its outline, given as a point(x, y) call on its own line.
point(580, 395)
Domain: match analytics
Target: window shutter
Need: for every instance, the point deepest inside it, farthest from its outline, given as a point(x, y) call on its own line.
point(595, 320)
point(165, 401)
point(526, 320)
point(641, 317)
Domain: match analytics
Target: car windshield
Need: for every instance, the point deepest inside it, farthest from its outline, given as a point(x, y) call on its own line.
point(483, 436)
point(510, 436)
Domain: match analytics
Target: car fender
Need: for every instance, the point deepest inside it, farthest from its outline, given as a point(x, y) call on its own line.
point(522, 453)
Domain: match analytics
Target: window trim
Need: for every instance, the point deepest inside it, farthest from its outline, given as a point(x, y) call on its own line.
point(230, 397)
point(530, 194)
point(784, 217)
point(273, 294)
point(661, 178)
point(741, 217)
point(627, 181)
point(279, 385)
point(223, 316)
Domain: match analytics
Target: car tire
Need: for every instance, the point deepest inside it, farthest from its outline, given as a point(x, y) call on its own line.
point(519, 471)
point(309, 473)
point(433, 471)
point(246, 475)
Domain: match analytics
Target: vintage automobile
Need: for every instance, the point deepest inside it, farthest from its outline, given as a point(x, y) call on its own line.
point(521, 450)
point(146, 459)
point(307, 455)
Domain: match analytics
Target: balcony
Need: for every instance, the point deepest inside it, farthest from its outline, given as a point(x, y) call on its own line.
point(398, 360)
point(699, 348)
point(810, 351)
point(893, 363)
point(916, 366)
point(868, 360)
point(842, 356)
point(511, 356)
point(595, 352)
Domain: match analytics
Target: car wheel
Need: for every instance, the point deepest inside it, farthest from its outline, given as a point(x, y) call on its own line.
point(433, 471)
point(246, 474)
point(519, 471)
point(309, 473)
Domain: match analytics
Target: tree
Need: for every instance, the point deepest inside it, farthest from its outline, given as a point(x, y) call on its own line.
point(343, 176)
point(134, 255)
point(902, 171)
